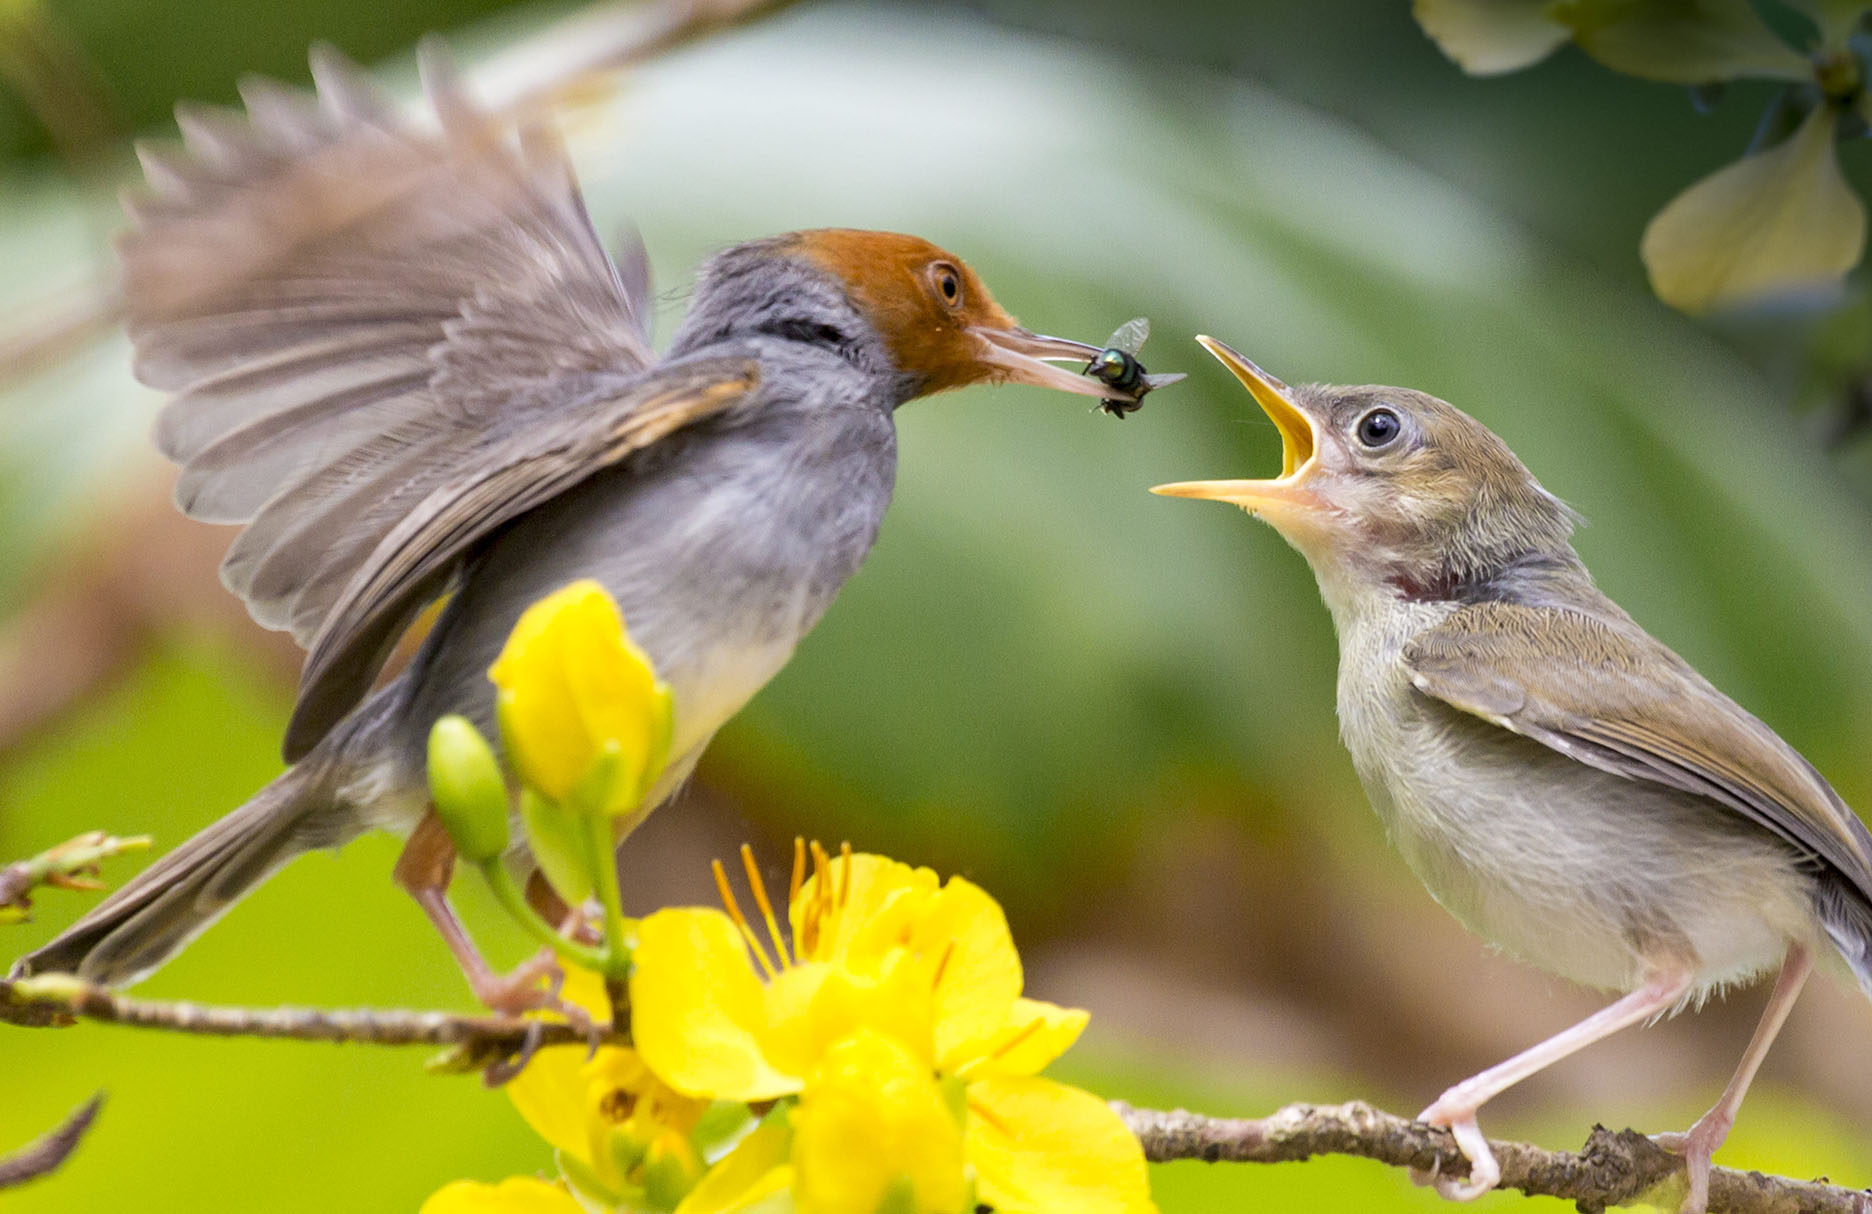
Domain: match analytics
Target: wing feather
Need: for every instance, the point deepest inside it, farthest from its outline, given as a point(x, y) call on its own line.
point(419, 554)
point(348, 307)
point(1606, 693)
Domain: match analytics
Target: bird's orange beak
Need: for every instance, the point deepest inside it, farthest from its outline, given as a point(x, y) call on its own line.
point(1016, 356)
point(1299, 444)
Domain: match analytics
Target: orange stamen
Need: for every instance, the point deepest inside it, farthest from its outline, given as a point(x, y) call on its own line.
point(994, 1122)
point(766, 908)
point(740, 920)
point(1007, 1047)
point(942, 965)
point(845, 880)
point(799, 870)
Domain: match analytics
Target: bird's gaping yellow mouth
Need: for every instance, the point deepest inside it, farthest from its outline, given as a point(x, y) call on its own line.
point(1299, 444)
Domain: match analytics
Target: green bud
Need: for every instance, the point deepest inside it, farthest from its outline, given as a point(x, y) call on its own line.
point(557, 842)
point(670, 1170)
point(469, 792)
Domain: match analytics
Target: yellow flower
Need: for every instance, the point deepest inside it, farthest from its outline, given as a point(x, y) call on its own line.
point(872, 1133)
point(879, 952)
point(604, 1112)
point(575, 689)
point(619, 1133)
point(515, 1195)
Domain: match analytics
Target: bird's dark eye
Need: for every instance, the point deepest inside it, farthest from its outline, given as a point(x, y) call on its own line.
point(948, 283)
point(1378, 428)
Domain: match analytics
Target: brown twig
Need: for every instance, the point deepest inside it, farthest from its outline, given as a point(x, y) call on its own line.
point(1612, 1169)
point(58, 1000)
point(73, 864)
point(44, 1156)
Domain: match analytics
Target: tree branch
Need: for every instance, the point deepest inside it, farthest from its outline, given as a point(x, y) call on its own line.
point(475, 1042)
point(1612, 1169)
point(44, 1156)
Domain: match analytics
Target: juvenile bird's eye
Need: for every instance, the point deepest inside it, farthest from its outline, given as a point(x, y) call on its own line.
point(1378, 427)
point(948, 283)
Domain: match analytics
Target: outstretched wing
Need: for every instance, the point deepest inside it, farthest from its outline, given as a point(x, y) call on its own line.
point(415, 559)
point(347, 306)
point(1611, 696)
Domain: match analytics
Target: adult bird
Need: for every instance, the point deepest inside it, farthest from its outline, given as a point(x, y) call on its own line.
point(1565, 785)
point(402, 361)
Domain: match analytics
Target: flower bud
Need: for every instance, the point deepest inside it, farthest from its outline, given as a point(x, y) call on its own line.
point(468, 789)
point(573, 686)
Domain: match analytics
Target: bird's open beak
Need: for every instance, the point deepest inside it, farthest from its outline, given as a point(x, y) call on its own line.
point(1299, 444)
point(1019, 357)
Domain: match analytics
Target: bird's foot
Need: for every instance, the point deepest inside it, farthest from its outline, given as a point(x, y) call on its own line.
point(531, 986)
point(1484, 1172)
point(1697, 1145)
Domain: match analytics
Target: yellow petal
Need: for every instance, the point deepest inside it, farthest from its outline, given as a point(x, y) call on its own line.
point(872, 1132)
point(698, 1011)
point(1041, 1146)
point(855, 895)
point(585, 989)
point(954, 934)
point(756, 1171)
point(1779, 223)
point(975, 972)
point(571, 681)
point(812, 1006)
point(515, 1195)
point(1488, 37)
point(540, 721)
point(549, 1092)
point(1034, 1034)
point(1683, 42)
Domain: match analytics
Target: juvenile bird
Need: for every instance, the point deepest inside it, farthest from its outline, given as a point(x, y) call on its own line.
point(404, 364)
point(1566, 786)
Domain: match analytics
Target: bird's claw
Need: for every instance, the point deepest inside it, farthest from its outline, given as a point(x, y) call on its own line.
point(1484, 1171)
point(502, 1070)
point(1698, 1146)
point(520, 990)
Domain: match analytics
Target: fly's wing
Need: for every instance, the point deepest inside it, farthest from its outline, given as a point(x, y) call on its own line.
point(1131, 335)
point(351, 309)
point(1611, 696)
point(415, 559)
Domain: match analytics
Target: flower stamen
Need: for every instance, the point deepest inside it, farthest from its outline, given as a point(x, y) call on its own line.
point(942, 965)
point(759, 887)
point(845, 874)
point(1007, 1047)
point(995, 1123)
point(799, 870)
point(740, 920)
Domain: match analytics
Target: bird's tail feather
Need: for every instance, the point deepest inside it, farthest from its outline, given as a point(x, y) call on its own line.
point(1847, 916)
point(149, 920)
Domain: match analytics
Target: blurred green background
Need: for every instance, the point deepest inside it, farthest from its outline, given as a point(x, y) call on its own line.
point(1113, 711)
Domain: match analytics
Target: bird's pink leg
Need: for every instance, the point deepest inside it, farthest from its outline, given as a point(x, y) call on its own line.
point(1699, 1142)
point(1457, 1107)
point(423, 870)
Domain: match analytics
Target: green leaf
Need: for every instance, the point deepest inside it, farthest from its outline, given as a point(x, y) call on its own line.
point(1782, 222)
point(1836, 18)
point(1490, 37)
point(1681, 41)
